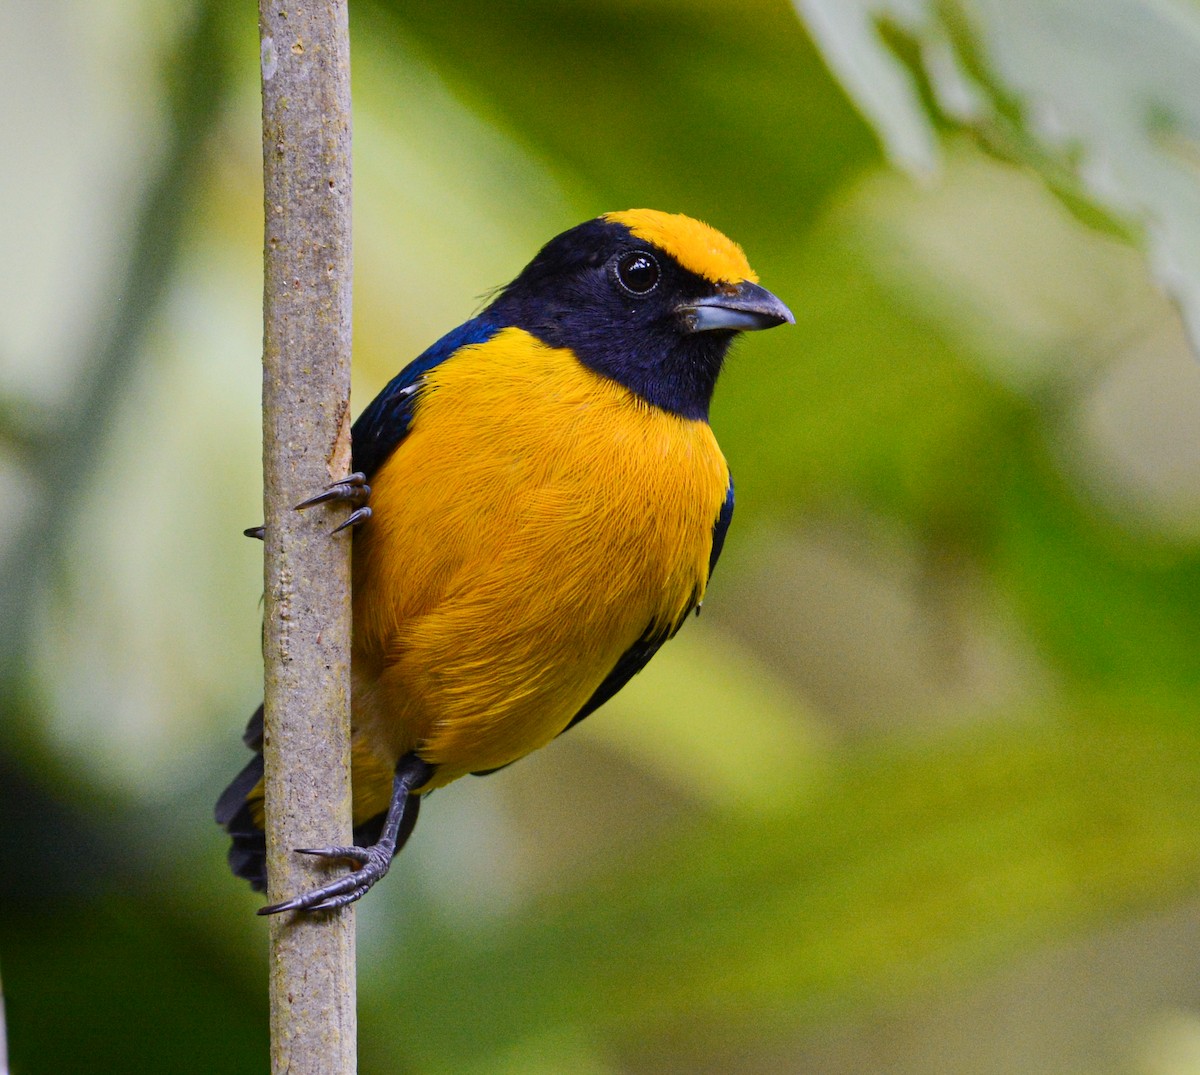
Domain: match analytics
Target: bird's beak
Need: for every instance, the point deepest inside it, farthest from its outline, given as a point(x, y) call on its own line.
point(737, 309)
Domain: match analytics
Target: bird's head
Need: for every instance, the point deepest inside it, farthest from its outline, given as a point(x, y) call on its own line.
point(650, 299)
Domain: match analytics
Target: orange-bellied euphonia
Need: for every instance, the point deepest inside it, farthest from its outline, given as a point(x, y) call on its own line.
point(546, 504)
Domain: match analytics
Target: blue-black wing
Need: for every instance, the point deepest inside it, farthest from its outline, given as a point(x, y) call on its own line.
point(634, 659)
point(385, 423)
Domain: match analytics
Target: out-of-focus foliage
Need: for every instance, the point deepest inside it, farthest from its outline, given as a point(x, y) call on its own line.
point(1101, 97)
point(920, 790)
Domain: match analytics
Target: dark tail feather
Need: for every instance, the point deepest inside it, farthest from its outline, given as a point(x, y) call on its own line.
point(253, 735)
point(248, 853)
point(233, 798)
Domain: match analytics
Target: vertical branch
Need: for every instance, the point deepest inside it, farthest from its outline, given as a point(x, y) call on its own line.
point(306, 444)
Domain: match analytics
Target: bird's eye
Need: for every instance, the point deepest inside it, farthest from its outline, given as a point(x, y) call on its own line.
point(638, 272)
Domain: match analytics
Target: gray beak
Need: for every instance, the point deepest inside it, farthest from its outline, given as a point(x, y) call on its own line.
point(743, 308)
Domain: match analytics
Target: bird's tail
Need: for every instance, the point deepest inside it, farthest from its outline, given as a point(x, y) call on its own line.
point(239, 811)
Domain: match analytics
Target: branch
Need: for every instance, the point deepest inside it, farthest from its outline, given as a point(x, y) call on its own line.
point(306, 444)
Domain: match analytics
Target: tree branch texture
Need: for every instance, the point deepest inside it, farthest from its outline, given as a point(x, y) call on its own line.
point(306, 444)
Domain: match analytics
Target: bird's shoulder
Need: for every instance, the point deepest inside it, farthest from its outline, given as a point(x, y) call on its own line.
point(388, 417)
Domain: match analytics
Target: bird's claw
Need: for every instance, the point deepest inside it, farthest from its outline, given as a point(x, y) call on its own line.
point(358, 515)
point(352, 489)
point(353, 852)
point(375, 862)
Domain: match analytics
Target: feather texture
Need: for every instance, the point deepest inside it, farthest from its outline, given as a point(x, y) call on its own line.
point(535, 524)
point(548, 503)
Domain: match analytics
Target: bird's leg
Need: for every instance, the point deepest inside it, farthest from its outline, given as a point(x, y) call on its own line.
point(373, 861)
point(352, 489)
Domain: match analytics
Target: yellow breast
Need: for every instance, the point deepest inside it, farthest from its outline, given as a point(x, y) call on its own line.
point(537, 520)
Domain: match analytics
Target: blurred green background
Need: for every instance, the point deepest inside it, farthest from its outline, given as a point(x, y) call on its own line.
point(919, 793)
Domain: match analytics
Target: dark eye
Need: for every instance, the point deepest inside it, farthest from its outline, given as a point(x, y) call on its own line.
point(638, 272)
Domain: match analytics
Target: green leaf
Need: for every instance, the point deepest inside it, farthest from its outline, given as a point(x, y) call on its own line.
point(1102, 98)
point(911, 869)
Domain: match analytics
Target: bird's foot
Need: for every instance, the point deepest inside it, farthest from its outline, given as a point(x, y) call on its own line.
point(373, 864)
point(375, 859)
point(353, 489)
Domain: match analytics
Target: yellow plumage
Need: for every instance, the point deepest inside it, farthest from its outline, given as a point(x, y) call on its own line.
point(698, 247)
point(527, 485)
point(546, 503)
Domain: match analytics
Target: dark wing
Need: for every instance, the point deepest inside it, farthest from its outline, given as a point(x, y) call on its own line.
point(634, 659)
point(721, 528)
point(385, 423)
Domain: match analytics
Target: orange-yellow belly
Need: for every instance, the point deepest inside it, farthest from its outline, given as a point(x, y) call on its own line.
point(537, 520)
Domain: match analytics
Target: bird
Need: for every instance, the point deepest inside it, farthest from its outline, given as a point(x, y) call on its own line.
point(541, 502)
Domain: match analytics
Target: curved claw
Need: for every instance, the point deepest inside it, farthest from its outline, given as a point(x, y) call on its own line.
point(352, 489)
point(353, 853)
point(358, 515)
point(353, 886)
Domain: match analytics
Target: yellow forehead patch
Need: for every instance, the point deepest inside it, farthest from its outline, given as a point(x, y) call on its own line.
point(696, 246)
